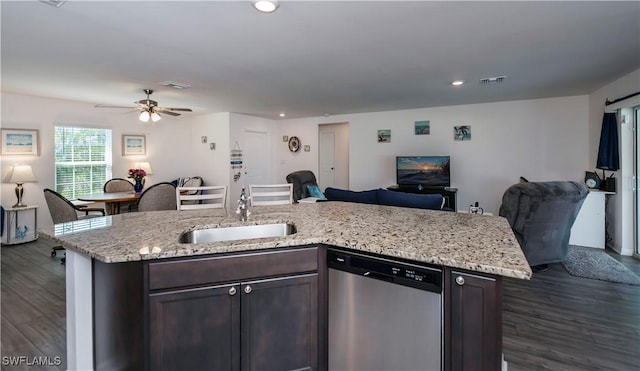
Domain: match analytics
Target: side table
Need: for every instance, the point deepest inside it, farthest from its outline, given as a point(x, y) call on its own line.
point(19, 227)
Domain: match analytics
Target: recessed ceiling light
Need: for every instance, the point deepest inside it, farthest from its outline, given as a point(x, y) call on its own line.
point(282, 114)
point(457, 83)
point(265, 6)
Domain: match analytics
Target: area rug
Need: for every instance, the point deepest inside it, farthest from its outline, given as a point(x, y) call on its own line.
point(597, 265)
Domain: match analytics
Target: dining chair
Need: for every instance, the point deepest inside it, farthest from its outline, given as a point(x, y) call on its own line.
point(160, 196)
point(118, 185)
point(63, 211)
point(271, 194)
point(204, 197)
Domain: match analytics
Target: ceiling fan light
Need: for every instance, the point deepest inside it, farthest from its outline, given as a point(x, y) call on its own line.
point(265, 6)
point(155, 116)
point(144, 116)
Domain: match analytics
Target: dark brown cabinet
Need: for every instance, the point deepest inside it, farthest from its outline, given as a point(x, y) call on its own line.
point(182, 323)
point(473, 321)
point(253, 323)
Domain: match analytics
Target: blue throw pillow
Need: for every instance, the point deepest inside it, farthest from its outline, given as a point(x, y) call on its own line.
point(418, 201)
point(363, 197)
point(314, 191)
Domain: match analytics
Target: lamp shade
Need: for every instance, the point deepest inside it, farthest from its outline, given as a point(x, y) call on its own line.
point(144, 166)
point(144, 116)
point(20, 174)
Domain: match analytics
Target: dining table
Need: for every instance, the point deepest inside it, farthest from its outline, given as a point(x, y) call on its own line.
point(111, 200)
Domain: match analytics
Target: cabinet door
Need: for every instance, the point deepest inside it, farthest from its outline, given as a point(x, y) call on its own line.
point(280, 324)
point(195, 329)
point(473, 321)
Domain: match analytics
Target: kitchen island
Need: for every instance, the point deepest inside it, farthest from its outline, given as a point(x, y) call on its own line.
point(138, 245)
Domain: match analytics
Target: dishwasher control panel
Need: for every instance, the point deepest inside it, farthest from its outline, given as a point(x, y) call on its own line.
point(421, 277)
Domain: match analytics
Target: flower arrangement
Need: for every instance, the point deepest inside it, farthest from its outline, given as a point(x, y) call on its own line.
point(137, 174)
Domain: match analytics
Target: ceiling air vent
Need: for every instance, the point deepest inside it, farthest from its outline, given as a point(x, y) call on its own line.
point(492, 80)
point(175, 84)
point(56, 3)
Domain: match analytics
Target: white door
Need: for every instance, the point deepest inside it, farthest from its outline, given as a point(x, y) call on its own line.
point(327, 176)
point(256, 169)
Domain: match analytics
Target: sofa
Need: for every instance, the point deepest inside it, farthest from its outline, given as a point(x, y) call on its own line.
point(388, 198)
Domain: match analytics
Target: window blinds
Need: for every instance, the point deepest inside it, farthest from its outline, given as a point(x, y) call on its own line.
point(82, 160)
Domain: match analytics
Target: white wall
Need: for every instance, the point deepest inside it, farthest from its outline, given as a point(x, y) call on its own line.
point(167, 143)
point(210, 164)
point(541, 139)
point(238, 125)
point(620, 206)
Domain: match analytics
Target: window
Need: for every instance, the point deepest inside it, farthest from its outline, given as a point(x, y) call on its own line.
point(83, 160)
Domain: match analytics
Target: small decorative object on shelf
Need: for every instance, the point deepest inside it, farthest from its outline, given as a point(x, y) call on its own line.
point(138, 176)
point(592, 180)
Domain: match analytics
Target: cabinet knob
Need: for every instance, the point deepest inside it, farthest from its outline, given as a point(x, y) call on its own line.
point(232, 291)
point(247, 289)
point(460, 280)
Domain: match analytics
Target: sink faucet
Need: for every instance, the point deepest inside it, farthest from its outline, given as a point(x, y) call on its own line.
point(243, 206)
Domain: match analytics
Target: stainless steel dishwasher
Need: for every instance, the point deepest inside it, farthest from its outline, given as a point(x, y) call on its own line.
point(383, 314)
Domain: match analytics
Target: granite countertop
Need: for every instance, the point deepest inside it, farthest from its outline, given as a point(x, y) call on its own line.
point(474, 242)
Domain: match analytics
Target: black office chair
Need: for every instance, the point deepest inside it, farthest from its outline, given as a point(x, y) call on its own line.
point(63, 211)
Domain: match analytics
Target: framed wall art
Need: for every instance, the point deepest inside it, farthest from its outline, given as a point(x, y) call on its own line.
point(20, 142)
point(384, 136)
point(462, 132)
point(422, 127)
point(134, 144)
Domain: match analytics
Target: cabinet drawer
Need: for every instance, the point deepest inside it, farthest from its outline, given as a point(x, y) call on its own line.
point(201, 271)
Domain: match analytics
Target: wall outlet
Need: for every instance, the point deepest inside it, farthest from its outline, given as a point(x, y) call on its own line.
point(203, 139)
point(212, 146)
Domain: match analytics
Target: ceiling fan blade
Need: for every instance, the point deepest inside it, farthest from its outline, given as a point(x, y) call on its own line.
point(110, 106)
point(162, 110)
point(176, 109)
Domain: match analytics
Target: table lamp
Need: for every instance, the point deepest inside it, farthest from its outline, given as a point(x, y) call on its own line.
point(20, 174)
point(144, 166)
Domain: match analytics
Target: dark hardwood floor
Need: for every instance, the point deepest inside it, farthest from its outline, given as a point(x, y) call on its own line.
point(560, 322)
point(553, 322)
point(32, 307)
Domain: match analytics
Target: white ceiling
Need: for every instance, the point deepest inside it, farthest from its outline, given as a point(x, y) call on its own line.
point(315, 57)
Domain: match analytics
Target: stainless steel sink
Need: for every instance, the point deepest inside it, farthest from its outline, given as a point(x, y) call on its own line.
point(237, 233)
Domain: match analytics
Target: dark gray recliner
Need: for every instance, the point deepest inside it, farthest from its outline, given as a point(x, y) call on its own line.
point(541, 215)
point(300, 180)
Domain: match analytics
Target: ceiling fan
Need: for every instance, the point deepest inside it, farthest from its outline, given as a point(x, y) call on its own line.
point(149, 109)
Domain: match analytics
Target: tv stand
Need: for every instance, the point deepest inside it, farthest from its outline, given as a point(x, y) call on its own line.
point(448, 193)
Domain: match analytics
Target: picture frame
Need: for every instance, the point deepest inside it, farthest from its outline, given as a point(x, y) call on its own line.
point(133, 144)
point(462, 133)
point(384, 136)
point(422, 127)
point(20, 142)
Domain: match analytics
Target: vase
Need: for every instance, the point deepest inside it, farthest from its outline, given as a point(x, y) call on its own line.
point(138, 186)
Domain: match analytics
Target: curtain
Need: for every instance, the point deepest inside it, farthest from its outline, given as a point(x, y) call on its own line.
point(608, 157)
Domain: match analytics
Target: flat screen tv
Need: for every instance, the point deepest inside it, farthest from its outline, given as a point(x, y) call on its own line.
point(423, 171)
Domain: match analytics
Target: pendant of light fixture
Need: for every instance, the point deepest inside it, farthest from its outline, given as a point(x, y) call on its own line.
point(149, 113)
